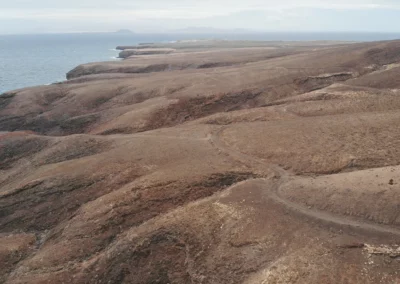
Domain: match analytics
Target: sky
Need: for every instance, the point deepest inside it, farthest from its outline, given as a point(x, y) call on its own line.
point(50, 16)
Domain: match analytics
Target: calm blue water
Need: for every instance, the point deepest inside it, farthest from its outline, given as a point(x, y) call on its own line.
point(28, 60)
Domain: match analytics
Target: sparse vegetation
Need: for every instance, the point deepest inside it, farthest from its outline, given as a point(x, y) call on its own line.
point(5, 99)
point(264, 165)
point(187, 109)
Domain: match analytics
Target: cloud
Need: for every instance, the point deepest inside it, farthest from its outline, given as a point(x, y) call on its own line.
point(104, 14)
point(175, 14)
point(173, 8)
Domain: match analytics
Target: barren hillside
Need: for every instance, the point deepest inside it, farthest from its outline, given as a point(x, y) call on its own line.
point(207, 162)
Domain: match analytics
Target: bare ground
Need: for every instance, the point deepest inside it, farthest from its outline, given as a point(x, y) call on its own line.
point(264, 163)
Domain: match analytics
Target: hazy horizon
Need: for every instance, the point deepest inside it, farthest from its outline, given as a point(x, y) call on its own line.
point(213, 34)
point(212, 31)
point(156, 16)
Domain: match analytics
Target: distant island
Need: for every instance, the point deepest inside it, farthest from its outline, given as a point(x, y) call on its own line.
point(210, 30)
point(124, 31)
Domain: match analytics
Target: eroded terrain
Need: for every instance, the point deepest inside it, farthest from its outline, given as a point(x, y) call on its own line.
point(207, 162)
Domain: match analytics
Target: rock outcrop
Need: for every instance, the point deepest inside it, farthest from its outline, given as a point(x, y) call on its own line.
point(148, 51)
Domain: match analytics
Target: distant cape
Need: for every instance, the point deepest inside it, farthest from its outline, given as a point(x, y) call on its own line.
point(124, 31)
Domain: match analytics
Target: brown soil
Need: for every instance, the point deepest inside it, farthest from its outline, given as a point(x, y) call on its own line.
point(222, 162)
point(187, 109)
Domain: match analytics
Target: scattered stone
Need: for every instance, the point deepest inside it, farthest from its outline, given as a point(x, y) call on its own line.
point(393, 252)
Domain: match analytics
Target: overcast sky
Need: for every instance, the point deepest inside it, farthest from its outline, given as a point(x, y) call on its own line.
point(33, 16)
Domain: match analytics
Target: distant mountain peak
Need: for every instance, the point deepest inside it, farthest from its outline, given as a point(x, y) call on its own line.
point(196, 29)
point(124, 31)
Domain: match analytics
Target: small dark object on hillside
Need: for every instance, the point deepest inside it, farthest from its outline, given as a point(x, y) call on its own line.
point(352, 245)
point(391, 182)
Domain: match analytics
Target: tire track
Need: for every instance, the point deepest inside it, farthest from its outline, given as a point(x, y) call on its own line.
point(271, 188)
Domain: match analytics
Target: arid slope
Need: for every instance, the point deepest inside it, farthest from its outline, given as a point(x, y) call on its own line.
point(216, 163)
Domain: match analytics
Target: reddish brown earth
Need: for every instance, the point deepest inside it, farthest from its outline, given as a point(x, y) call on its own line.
point(221, 162)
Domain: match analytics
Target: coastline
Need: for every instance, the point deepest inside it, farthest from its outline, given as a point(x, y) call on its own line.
point(56, 54)
point(214, 162)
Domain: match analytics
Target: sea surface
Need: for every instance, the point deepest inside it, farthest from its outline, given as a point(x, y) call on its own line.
point(29, 60)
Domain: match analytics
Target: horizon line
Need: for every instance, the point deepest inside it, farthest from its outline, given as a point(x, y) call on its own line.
point(211, 32)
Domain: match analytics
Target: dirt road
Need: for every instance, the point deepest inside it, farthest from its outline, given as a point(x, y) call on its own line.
point(272, 185)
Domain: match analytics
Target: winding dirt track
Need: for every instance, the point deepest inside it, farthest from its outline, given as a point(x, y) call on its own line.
point(271, 188)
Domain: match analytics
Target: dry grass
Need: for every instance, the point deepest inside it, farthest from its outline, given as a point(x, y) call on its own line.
point(187, 109)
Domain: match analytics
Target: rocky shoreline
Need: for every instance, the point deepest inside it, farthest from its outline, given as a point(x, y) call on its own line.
point(150, 51)
point(192, 55)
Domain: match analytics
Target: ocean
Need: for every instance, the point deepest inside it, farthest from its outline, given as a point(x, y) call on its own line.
point(29, 60)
